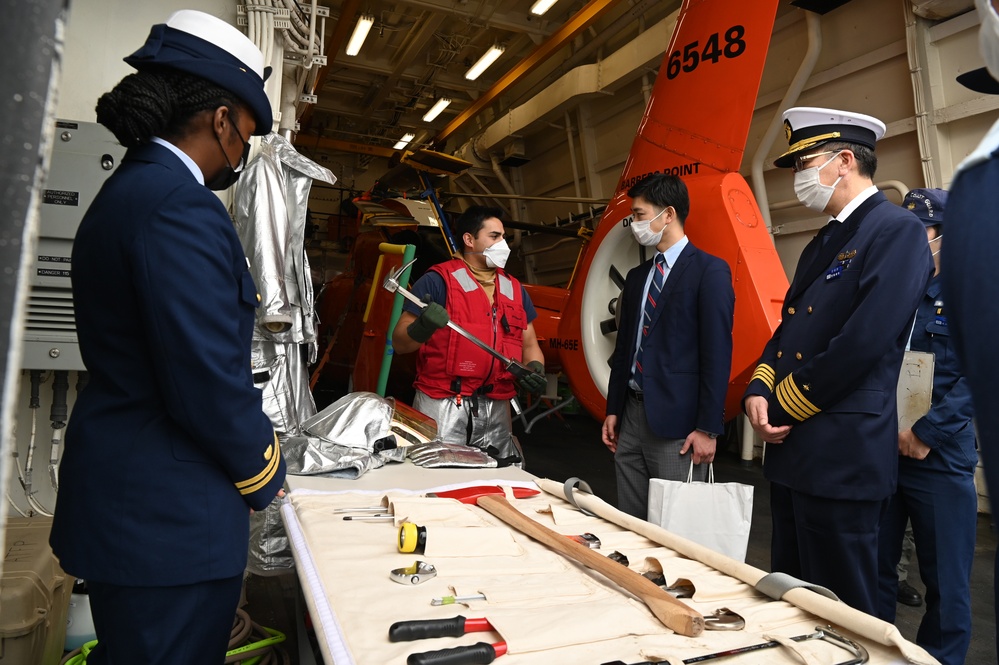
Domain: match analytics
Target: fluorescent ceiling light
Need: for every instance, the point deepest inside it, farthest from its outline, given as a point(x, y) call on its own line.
point(541, 6)
point(436, 109)
point(404, 141)
point(360, 33)
point(489, 58)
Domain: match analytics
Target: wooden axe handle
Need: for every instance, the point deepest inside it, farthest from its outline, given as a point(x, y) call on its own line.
point(673, 613)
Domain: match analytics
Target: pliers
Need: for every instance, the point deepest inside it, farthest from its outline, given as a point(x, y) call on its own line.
point(475, 654)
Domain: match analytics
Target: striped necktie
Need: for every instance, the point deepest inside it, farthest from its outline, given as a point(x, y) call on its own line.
point(655, 289)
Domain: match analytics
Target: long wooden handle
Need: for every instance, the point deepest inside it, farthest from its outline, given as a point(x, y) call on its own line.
point(673, 613)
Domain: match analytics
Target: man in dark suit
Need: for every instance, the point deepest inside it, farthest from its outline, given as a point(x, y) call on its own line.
point(823, 394)
point(671, 363)
point(168, 449)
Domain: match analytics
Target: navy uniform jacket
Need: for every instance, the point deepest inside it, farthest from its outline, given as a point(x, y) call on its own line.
point(947, 428)
point(831, 367)
point(688, 360)
point(168, 447)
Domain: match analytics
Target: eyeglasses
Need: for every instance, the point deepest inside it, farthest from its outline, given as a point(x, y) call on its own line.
point(799, 162)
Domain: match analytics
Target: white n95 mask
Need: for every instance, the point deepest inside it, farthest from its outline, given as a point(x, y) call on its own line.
point(643, 231)
point(809, 189)
point(496, 255)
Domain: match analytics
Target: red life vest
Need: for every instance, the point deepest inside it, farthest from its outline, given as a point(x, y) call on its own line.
point(448, 357)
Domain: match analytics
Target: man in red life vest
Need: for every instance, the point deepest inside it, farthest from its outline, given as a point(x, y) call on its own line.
point(465, 389)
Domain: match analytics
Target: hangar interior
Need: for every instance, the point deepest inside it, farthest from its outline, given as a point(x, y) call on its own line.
point(546, 129)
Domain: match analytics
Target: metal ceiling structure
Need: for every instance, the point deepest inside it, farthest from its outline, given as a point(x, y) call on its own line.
point(418, 51)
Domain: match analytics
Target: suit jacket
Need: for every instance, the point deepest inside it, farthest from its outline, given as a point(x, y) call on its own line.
point(168, 448)
point(831, 367)
point(688, 356)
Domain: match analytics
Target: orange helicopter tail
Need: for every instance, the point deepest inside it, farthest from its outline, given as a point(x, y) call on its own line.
point(695, 126)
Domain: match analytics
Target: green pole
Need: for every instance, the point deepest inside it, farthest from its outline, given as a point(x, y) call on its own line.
point(407, 255)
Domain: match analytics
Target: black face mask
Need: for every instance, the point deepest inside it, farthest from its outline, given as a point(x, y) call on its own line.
point(229, 175)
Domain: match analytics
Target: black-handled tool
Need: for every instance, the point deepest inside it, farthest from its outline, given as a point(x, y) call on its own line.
point(407, 631)
point(480, 653)
point(475, 654)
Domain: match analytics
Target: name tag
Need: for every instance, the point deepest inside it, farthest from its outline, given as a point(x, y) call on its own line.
point(834, 273)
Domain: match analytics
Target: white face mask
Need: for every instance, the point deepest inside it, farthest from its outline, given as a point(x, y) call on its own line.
point(988, 37)
point(496, 255)
point(643, 230)
point(810, 190)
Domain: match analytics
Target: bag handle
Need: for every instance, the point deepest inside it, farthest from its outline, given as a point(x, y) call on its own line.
point(711, 471)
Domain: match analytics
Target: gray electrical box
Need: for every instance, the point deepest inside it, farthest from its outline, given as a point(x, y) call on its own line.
point(84, 154)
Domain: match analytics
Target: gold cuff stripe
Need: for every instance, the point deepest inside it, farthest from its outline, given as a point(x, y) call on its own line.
point(253, 484)
point(766, 374)
point(800, 398)
point(784, 399)
point(793, 401)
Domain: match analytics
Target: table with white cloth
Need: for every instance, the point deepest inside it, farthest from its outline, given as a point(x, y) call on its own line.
point(546, 608)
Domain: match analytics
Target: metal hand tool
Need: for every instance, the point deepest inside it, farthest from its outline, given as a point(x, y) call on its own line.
point(826, 634)
point(392, 284)
point(475, 654)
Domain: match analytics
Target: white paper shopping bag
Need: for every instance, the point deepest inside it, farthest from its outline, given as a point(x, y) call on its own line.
point(716, 515)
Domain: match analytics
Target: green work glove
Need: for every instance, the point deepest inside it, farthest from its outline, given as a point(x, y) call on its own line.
point(431, 319)
point(535, 381)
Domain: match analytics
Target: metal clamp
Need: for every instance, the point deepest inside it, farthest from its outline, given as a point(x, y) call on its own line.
point(419, 572)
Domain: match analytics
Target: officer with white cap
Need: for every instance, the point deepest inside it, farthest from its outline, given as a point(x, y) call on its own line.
point(168, 449)
point(823, 393)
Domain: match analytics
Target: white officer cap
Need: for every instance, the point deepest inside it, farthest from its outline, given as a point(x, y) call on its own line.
point(809, 126)
point(204, 45)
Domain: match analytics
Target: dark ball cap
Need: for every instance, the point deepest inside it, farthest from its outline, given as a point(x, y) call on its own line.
point(979, 80)
point(927, 204)
point(203, 45)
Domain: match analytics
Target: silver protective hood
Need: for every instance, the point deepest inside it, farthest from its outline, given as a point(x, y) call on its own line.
point(346, 439)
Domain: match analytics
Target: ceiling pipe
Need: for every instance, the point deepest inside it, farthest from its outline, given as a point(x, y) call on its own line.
point(579, 22)
point(624, 22)
point(348, 12)
point(594, 78)
point(814, 25)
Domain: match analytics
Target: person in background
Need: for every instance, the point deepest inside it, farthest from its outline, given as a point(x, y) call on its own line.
point(671, 362)
point(168, 449)
point(823, 393)
point(936, 474)
point(465, 389)
point(907, 594)
point(969, 262)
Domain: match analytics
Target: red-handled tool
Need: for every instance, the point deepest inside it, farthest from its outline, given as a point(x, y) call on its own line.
point(470, 494)
point(480, 653)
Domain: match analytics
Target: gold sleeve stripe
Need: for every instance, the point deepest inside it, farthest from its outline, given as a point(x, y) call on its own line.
point(766, 374)
point(787, 403)
point(791, 399)
point(261, 479)
point(803, 401)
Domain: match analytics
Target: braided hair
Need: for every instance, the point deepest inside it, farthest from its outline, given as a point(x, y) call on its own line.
point(159, 102)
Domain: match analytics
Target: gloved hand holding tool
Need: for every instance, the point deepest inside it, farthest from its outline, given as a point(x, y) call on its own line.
point(476, 654)
point(431, 319)
point(392, 284)
point(535, 382)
